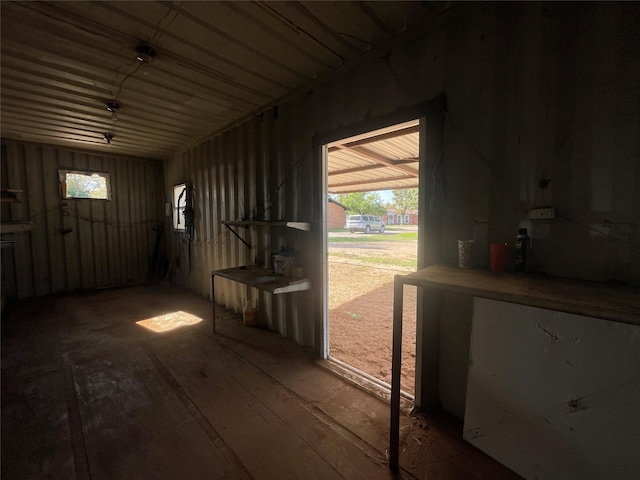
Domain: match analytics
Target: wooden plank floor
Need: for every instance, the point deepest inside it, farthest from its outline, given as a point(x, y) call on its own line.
point(87, 393)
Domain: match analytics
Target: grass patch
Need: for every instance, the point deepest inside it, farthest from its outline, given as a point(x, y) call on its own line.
point(379, 260)
point(375, 237)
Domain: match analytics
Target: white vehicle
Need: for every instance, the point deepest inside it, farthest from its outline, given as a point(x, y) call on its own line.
point(364, 223)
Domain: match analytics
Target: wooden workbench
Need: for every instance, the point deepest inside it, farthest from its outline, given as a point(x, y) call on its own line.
point(601, 300)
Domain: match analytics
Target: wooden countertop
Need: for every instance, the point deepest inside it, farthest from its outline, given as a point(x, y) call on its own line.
point(602, 300)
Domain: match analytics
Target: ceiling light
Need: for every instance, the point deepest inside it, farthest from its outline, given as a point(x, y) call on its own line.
point(108, 137)
point(113, 107)
point(145, 55)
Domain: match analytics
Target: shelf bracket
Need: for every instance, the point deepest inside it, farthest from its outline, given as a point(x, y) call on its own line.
point(238, 236)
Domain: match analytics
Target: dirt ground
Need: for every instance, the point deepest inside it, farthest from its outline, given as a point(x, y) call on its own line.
point(361, 309)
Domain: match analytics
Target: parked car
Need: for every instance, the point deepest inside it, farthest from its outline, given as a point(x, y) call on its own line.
point(364, 223)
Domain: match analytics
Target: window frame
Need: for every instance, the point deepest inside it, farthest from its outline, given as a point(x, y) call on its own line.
point(177, 211)
point(62, 178)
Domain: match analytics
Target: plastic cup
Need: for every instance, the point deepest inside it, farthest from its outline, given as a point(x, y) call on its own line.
point(465, 253)
point(498, 253)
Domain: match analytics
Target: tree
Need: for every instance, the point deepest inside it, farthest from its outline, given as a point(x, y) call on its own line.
point(80, 185)
point(362, 203)
point(405, 199)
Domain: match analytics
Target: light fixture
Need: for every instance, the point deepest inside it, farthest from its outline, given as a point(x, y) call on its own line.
point(145, 54)
point(108, 137)
point(113, 107)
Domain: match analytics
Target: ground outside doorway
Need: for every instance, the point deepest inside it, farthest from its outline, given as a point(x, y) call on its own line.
point(361, 271)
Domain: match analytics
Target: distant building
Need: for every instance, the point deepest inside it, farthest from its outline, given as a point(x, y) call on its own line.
point(394, 217)
point(336, 214)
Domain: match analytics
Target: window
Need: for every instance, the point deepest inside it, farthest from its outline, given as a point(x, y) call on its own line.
point(92, 185)
point(399, 219)
point(179, 204)
point(406, 219)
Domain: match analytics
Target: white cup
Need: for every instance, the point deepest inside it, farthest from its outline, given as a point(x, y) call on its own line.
point(465, 253)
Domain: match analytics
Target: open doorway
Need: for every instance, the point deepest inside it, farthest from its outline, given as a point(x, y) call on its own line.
point(371, 236)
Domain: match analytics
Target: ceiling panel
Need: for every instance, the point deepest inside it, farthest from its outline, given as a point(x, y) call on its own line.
point(215, 63)
point(385, 159)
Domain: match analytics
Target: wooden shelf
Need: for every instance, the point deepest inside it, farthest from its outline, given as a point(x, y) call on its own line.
point(14, 227)
point(268, 223)
point(263, 279)
point(257, 277)
point(10, 196)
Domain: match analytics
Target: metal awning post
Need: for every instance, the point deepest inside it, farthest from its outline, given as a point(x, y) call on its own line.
point(396, 364)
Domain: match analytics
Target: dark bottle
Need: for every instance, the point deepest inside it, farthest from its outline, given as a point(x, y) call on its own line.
point(520, 247)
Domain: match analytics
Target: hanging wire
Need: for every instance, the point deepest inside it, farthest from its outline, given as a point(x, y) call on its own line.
point(158, 33)
point(487, 163)
point(435, 209)
point(71, 213)
point(564, 217)
point(330, 28)
point(292, 25)
point(125, 79)
point(258, 215)
point(604, 234)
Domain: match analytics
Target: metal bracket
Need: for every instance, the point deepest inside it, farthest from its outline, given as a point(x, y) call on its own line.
point(238, 236)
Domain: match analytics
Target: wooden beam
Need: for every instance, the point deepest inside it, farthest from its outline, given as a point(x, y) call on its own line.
point(378, 138)
point(374, 189)
point(373, 180)
point(376, 157)
point(364, 168)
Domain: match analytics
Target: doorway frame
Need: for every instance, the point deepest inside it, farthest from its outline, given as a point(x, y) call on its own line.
point(430, 115)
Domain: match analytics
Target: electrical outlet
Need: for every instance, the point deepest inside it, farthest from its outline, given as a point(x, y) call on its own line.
point(546, 213)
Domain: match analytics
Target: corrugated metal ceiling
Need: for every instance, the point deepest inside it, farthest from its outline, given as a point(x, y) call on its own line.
point(215, 63)
point(379, 160)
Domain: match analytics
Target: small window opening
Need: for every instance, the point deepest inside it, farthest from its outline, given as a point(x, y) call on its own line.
point(179, 205)
point(92, 185)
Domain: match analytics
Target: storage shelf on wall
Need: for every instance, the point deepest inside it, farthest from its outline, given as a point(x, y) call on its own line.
point(267, 223)
point(14, 227)
point(254, 276)
point(11, 196)
point(264, 279)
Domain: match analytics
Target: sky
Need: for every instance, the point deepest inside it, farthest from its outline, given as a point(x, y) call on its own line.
point(386, 196)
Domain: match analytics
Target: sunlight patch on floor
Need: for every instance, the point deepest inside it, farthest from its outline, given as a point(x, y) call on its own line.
point(169, 321)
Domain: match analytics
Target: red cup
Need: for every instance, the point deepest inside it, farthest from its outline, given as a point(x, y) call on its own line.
point(498, 253)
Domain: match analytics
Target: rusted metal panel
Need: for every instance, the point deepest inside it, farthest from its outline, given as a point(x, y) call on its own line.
point(78, 244)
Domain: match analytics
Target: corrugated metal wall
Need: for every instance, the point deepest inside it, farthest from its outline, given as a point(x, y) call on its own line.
point(254, 171)
point(77, 244)
point(530, 95)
